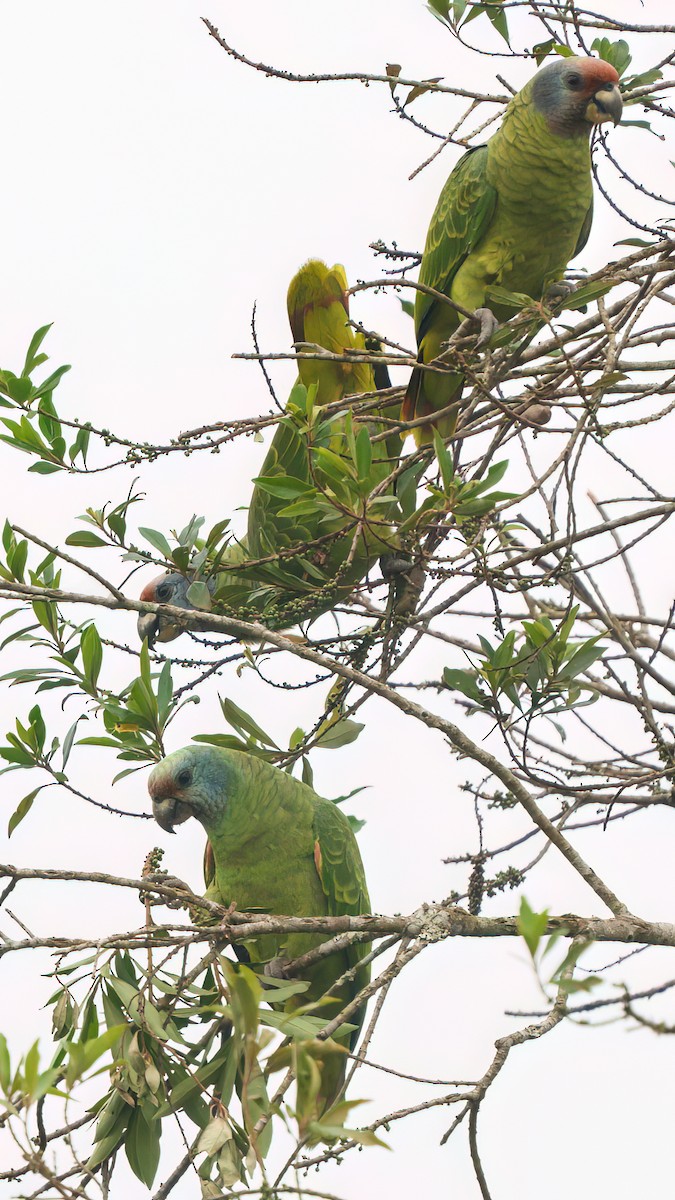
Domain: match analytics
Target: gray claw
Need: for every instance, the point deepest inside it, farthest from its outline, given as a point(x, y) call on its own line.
point(482, 319)
point(392, 565)
point(561, 290)
point(276, 968)
point(488, 325)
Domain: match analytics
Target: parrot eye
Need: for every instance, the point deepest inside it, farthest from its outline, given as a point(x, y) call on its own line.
point(574, 81)
point(184, 777)
point(162, 591)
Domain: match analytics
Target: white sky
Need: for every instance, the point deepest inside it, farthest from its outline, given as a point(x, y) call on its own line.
point(152, 190)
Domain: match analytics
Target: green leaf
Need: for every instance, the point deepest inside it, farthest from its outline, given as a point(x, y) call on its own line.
point(514, 300)
point(364, 454)
point(531, 925)
point(22, 810)
point(32, 351)
point(245, 992)
point(333, 466)
point(199, 595)
point(327, 1132)
point(30, 1069)
point(441, 9)
point(142, 1146)
point(445, 462)
point(498, 19)
point(341, 733)
point(243, 723)
point(44, 468)
point(583, 658)
point(92, 654)
point(47, 386)
point(591, 291)
point(465, 682)
point(189, 1085)
point(84, 1054)
point(84, 538)
point(495, 14)
point(142, 1012)
point(157, 540)
point(107, 1145)
point(570, 960)
point(636, 125)
point(285, 487)
point(5, 1067)
point(20, 390)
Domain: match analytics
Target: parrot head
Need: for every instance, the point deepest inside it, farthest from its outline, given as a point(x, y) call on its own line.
point(573, 93)
point(170, 588)
point(192, 782)
point(315, 285)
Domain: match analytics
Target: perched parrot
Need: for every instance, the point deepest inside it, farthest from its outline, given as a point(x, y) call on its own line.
point(512, 214)
point(277, 846)
point(327, 565)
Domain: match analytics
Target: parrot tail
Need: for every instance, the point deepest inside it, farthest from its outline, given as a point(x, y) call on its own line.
point(417, 404)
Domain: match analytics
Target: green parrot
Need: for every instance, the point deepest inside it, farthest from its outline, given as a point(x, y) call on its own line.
point(512, 214)
point(277, 846)
point(307, 495)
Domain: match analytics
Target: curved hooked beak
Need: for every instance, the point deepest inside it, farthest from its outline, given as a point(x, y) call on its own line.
point(606, 105)
point(148, 627)
point(168, 812)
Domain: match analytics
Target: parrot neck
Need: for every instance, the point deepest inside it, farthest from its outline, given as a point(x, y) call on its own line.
point(259, 800)
point(566, 124)
point(521, 147)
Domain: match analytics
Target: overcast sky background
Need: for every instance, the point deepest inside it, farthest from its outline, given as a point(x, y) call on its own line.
point(152, 191)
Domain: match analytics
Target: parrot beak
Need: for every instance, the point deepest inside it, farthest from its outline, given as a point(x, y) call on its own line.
point(606, 105)
point(151, 625)
point(169, 812)
point(156, 629)
point(148, 627)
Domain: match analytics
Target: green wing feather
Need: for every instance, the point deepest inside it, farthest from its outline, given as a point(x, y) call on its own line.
point(463, 213)
point(585, 230)
point(343, 879)
point(318, 313)
point(339, 865)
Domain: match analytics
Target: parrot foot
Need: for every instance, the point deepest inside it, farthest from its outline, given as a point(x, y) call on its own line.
point(561, 290)
point(483, 320)
point(392, 565)
point(165, 880)
point(276, 968)
point(407, 577)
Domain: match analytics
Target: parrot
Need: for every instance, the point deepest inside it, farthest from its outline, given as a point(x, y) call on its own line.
point(301, 586)
point(513, 213)
point(277, 846)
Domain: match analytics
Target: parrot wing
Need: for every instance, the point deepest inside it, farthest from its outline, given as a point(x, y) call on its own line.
point(338, 862)
point(343, 879)
point(464, 210)
point(585, 230)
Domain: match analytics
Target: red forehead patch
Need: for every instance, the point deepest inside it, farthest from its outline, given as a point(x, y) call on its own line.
point(148, 592)
point(161, 787)
point(596, 72)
